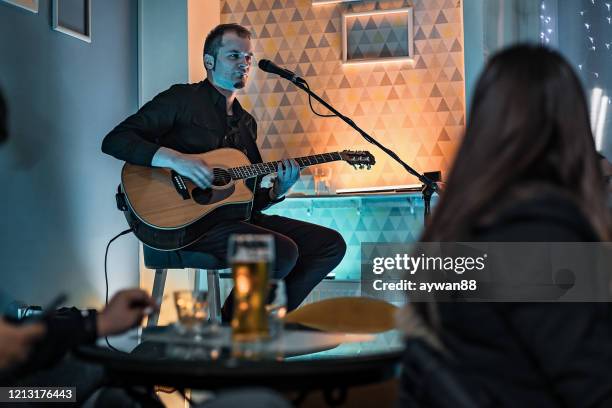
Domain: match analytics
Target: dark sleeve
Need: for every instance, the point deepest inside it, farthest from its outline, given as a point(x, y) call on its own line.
point(137, 138)
point(81, 325)
point(570, 344)
point(65, 330)
point(262, 200)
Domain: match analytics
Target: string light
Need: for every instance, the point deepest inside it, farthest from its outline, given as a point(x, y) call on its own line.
point(597, 10)
point(593, 18)
point(546, 32)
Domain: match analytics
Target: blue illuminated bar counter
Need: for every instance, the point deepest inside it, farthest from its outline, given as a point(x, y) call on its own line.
point(360, 218)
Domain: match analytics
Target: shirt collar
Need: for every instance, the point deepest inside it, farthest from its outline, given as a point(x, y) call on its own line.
point(219, 100)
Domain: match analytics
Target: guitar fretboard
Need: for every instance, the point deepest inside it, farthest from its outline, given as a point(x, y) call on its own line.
point(260, 169)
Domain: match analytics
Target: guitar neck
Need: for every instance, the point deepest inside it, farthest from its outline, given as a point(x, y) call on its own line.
point(261, 169)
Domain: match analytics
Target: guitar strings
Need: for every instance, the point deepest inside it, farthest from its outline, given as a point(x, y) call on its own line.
point(306, 160)
point(258, 169)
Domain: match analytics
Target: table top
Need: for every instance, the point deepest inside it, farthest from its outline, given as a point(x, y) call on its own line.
point(296, 360)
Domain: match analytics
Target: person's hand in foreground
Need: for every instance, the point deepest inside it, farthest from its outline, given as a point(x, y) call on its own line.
point(124, 311)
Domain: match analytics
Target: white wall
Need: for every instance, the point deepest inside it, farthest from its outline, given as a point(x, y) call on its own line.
point(202, 17)
point(162, 46)
point(172, 38)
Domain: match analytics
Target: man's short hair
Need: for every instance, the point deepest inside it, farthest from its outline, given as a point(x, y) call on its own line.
point(214, 38)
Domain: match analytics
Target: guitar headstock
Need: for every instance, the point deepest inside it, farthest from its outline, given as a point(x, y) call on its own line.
point(359, 159)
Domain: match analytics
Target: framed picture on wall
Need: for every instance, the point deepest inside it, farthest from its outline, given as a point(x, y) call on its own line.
point(72, 17)
point(30, 5)
point(378, 36)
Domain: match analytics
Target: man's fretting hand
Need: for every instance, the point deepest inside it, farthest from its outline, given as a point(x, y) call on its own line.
point(287, 175)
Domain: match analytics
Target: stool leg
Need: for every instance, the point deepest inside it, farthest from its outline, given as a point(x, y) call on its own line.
point(198, 280)
point(158, 294)
point(214, 296)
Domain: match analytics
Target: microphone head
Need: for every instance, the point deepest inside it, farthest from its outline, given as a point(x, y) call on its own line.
point(270, 67)
point(264, 65)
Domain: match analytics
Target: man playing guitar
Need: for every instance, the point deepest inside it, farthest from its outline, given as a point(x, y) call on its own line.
point(188, 119)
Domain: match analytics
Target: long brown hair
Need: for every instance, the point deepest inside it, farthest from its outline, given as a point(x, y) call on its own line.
point(529, 122)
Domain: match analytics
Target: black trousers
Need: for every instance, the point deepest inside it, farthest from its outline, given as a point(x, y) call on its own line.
point(305, 253)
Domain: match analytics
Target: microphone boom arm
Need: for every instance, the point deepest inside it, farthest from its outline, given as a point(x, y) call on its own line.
point(430, 186)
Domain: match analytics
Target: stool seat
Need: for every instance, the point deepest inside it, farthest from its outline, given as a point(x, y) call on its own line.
point(161, 261)
point(156, 259)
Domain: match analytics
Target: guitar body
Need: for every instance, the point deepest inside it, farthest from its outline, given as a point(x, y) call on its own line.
point(167, 214)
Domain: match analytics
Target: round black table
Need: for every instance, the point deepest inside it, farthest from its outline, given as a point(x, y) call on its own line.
point(300, 360)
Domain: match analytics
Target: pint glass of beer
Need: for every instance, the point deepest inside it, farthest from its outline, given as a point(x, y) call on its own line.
point(251, 257)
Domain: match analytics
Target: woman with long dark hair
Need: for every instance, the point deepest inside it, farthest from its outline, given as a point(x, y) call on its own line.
point(527, 171)
point(528, 129)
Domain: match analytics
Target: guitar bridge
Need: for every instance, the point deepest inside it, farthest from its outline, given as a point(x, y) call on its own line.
point(179, 185)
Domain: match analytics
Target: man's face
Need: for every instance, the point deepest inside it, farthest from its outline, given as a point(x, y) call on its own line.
point(233, 63)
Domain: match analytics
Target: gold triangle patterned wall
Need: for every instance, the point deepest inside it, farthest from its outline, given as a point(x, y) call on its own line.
point(415, 108)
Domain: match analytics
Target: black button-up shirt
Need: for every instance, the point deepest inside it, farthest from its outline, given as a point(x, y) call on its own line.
point(188, 118)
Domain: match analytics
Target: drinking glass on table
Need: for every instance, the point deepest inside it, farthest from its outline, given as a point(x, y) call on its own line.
point(276, 306)
point(192, 310)
point(251, 257)
point(322, 180)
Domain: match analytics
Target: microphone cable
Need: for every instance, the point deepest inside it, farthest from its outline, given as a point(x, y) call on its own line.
point(271, 68)
point(312, 108)
point(127, 231)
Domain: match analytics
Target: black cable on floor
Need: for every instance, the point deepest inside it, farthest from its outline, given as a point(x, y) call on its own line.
point(127, 231)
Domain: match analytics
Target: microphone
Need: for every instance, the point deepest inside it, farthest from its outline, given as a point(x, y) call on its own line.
point(272, 68)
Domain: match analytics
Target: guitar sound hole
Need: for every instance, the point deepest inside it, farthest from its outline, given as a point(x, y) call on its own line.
point(201, 196)
point(221, 177)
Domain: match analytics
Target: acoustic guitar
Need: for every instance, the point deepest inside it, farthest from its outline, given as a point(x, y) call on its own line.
point(168, 211)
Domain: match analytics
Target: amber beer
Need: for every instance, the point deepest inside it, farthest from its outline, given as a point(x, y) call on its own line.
point(250, 321)
point(251, 257)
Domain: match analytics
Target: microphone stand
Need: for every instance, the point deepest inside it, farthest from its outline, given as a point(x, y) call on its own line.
point(429, 186)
